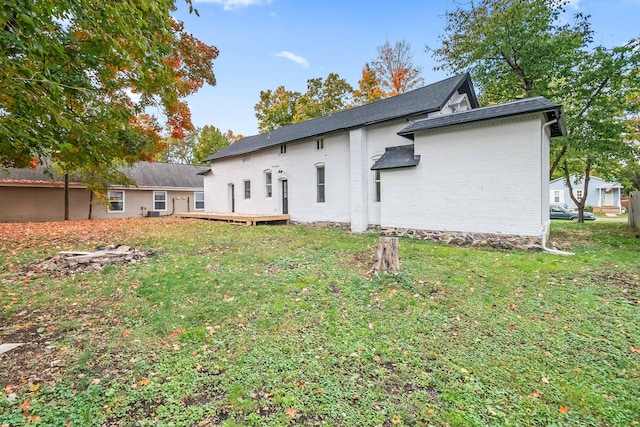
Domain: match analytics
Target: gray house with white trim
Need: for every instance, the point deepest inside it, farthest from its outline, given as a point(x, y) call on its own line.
point(425, 161)
point(602, 196)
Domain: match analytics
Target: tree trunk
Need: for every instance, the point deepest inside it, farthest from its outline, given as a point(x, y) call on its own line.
point(66, 195)
point(90, 203)
point(386, 257)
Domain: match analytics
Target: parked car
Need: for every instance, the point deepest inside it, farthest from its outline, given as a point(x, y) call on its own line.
point(559, 212)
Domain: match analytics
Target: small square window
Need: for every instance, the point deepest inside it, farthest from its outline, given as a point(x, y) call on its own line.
point(247, 189)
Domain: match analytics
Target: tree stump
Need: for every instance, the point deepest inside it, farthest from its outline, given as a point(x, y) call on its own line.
point(386, 257)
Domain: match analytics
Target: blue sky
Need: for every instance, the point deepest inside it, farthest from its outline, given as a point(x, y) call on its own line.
point(267, 43)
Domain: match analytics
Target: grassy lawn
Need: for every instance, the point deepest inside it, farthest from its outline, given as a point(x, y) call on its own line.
point(277, 326)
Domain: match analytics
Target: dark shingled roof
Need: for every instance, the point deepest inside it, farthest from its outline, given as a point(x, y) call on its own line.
point(167, 175)
point(397, 157)
point(524, 106)
point(145, 174)
point(409, 104)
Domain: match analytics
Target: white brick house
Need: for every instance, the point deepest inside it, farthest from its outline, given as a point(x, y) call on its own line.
point(428, 159)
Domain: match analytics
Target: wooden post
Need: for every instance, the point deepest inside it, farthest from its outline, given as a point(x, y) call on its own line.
point(386, 257)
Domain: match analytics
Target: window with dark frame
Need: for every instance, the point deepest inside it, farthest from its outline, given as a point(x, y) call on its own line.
point(268, 186)
point(283, 148)
point(247, 189)
point(320, 184)
point(319, 144)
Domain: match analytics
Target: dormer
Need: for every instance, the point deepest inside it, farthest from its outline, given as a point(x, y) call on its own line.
point(458, 102)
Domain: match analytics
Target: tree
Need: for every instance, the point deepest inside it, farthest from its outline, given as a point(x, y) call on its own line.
point(368, 87)
point(283, 107)
point(210, 141)
point(67, 73)
point(524, 48)
point(196, 146)
point(322, 97)
point(276, 108)
point(395, 70)
point(180, 150)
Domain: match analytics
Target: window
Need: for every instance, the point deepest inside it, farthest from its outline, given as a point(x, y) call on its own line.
point(198, 200)
point(578, 194)
point(159, 200)
point(116, 201)
point(268, 187)
point(247, 189)
point(320, 183)
point(319, 144)
point(376, 184)
point(556, 196)
point(283, 148)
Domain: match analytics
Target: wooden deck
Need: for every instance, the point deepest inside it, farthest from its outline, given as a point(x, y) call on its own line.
point(238, 219)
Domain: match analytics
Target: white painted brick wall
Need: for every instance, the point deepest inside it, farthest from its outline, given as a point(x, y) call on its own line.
point(484, 178)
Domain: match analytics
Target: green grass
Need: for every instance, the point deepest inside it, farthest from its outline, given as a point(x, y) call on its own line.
point(277, 326)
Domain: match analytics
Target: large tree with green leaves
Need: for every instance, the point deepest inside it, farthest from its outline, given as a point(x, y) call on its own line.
point(196, 146)
point(525, 48)
point(323, 97)
point(77, 75)
point(276, 108)
point(282, 107)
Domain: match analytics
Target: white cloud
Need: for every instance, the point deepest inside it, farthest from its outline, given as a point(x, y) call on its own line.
point(293, 57)
point(235, 4)
point(575, 4)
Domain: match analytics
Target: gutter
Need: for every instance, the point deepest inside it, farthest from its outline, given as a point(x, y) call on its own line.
point(547, 224)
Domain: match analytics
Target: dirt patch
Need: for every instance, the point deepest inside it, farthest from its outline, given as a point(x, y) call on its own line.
point(37, 361)
point(627, 283)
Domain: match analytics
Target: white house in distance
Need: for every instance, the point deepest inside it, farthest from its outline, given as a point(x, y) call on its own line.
point(428, 163)
point(602, 196)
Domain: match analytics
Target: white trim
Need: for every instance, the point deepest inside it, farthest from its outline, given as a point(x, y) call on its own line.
point(153, 201)
point(268, 186)
point(323, 184)
point(195, 208)
point(109, 210)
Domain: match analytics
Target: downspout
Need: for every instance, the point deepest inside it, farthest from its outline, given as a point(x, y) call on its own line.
point(547, 224)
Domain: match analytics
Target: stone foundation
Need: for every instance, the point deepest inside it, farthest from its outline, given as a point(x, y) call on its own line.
point(324, 224)
point(459, 238)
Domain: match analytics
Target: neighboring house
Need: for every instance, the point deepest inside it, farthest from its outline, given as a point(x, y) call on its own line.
point(423, 163)
point(162, 189)
point(603, 196)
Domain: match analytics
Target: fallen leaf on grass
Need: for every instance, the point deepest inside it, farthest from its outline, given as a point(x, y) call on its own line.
point(563, 409)
point(291, 412)
point(144, 382)
point(535, 394)
point(634, 350)
point(544, 379)
point(126, 332)
point(512, 326)
point(377, 358)
point(25, 406)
